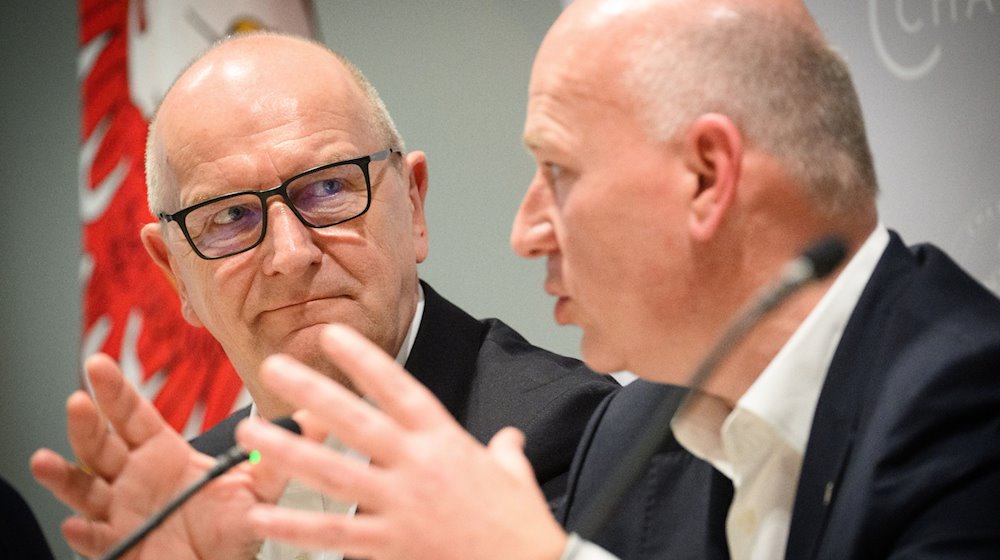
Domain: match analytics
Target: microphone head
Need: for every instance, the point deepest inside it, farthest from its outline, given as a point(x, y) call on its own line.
point(825, 255)
point(287, 423)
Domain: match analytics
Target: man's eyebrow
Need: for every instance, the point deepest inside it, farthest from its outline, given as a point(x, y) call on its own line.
point(336, 157)
point(208, 195)
point(202, 198)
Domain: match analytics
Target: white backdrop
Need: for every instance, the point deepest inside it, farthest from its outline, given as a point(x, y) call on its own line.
point(928, 72)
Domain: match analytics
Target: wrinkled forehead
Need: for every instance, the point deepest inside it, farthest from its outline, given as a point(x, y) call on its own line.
point(240, 114)
point(575, 83)
point(251, 93)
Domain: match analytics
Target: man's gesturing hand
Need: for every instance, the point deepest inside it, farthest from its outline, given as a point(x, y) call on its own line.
point(429, 491)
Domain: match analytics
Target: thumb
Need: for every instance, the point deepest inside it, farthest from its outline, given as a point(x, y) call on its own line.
point(507, 449)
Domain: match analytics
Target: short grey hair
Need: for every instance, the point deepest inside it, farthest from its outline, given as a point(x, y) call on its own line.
point(789, 93)
point(378, 118)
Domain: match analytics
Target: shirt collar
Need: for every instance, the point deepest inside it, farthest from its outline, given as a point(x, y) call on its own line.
point(786, 392)
point(411, 334)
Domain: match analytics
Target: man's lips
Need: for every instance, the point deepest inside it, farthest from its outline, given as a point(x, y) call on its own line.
point(291, 305)
point(299, 303)
point(561, 311)
point(552, 287)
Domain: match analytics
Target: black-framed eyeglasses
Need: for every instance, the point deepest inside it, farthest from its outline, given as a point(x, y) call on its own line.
point(321, 197)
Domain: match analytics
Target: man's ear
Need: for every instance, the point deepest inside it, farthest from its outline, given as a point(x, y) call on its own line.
point(152, 239)
point(713, 150)
point(415, 170)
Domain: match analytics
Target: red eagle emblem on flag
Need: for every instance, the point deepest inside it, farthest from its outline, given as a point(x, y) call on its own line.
point(130, 310)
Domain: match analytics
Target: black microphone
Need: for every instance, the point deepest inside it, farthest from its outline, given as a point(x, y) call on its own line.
point(816, 262)
point(223, 463)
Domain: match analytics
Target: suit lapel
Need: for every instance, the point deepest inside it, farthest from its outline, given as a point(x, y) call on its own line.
point(222, 436)
point(853, 378)
point(445, 351)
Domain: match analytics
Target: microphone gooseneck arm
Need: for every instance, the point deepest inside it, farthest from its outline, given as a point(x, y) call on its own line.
point(816, 262)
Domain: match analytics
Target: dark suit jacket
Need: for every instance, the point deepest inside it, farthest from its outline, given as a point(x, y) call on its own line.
point(903, 459)
point(676, 511)
point(20, 534)
point(489, 377)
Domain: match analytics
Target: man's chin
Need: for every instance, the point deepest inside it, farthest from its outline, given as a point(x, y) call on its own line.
point(315, 359)
point(600, 357)
point(302, 340)
point(303, 345)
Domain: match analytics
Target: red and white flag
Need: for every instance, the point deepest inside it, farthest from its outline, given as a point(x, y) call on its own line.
point(130, 53)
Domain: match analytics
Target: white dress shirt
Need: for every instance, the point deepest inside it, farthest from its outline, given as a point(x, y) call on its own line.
point(759, 445)
point(299, 496)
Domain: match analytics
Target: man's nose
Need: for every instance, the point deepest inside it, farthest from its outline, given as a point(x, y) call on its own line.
point(533, 234)
point(289, 243)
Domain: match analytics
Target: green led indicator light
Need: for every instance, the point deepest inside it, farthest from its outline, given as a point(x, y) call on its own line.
point(254, 457)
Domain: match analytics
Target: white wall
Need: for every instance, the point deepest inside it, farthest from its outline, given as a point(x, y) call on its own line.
point(928, 72)
point(454, 75)
point(39, 240)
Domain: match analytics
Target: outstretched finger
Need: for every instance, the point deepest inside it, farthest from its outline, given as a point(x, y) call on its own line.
point(359, 536)
point(355, 422)
point(84, 493)
point(381, 379)
point(88, 537)
point(98, 449)
point(507, 448)
point(133, 417)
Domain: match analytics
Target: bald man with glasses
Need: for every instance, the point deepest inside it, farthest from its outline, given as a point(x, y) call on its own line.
point(264, 268)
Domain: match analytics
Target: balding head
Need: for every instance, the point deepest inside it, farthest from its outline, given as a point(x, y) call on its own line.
point(686, 150)
point(259, 131)
point(224, 93)
point(762, 63)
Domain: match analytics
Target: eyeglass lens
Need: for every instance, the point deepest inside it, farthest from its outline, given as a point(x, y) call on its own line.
point(321, 198)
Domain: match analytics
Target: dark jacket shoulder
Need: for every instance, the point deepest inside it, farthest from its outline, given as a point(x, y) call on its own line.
point(903, 450)
point(677, 509)
point(20, 534)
